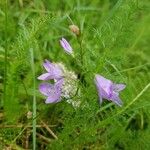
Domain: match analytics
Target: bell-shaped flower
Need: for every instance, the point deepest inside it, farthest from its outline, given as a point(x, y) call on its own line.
point(108, 90)
point(53, 71)
point(52, 91)
point(66, 46)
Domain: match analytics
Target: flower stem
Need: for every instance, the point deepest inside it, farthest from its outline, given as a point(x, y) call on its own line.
point(81, 51)
point(34, 99)
point(82, 63)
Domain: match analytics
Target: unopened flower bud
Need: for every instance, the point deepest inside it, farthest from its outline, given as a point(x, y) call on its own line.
point(74, 29)
point(29, 114)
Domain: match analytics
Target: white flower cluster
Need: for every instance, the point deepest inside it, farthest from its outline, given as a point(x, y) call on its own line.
point(70, 86)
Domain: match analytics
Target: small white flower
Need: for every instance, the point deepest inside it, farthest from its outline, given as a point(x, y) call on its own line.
point(70, 86)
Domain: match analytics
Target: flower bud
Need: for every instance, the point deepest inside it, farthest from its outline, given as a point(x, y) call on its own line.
point(29, 114)
point(74, 29)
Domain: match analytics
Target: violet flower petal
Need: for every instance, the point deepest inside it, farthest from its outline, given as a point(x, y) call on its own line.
point(108, 90)
point(115, 98)
point(54, 71)
point(59, 84)
point(104, 84)
point(44, 88)
point(45, 76)
point(57, 72)
point(118, 87)
point(66, 46)
point(52, 91)
point(55, 92)
point(52, 99)
point(52, 68)
point(48, 66)
point(98, 89)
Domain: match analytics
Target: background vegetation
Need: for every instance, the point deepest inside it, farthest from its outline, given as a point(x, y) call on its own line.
point(116, 37)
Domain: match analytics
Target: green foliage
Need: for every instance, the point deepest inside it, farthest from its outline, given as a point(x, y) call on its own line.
point(115, 44)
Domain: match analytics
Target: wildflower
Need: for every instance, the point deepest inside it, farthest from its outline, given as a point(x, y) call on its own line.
point(65, 84)
point(66, 46)
point(70, 82)
point(69, 88)
point(74, 29)
point(52, 91)
point(53, 71)
point(108, 90)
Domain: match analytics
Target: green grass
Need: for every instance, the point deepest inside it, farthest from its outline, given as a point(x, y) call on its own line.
point(114, 43)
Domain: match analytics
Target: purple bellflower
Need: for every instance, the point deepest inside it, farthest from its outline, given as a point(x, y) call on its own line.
point(66, 46)
point(53, 71)
point(52, 91)
point(108, 90)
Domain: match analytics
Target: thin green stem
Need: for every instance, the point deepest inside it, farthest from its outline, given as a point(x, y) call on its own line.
point(134, 100)
point(81, 54)
point(34, 99)
point(79, 39)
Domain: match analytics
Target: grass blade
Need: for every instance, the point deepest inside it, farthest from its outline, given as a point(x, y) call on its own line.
point(34, 98)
